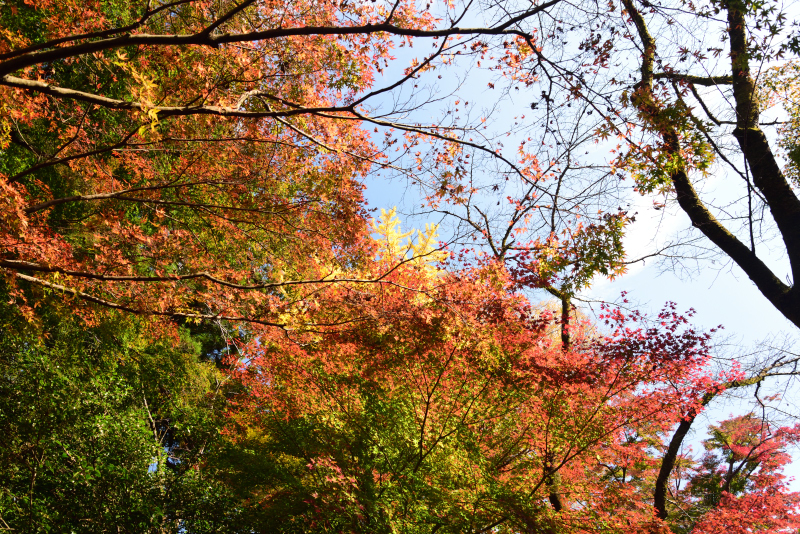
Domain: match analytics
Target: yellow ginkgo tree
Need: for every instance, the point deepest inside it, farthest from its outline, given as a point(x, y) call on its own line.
point(421, 250)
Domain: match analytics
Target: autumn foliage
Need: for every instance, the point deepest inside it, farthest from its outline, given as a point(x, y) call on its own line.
point(460, 410)
point(206, 328)
point(459, 407)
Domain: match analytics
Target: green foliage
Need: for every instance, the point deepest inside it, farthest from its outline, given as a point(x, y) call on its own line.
point(781, 87)
point(105, 429)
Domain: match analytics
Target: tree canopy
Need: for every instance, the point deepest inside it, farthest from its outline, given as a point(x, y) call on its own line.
point(205, 327)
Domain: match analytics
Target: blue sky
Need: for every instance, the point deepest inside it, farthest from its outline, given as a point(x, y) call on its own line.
point(719, 292)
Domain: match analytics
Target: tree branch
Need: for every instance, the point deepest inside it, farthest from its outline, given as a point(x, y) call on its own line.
point(694, 80)
point(66, 159)
point(779, 294)
point(205, 39)
point(18, 265)
point(668, 461)
point(767, 176)
point(162, 111)
point(121, 307)
point(93, 35)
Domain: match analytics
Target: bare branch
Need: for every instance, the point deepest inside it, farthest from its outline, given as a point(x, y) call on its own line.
point(694, 80)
